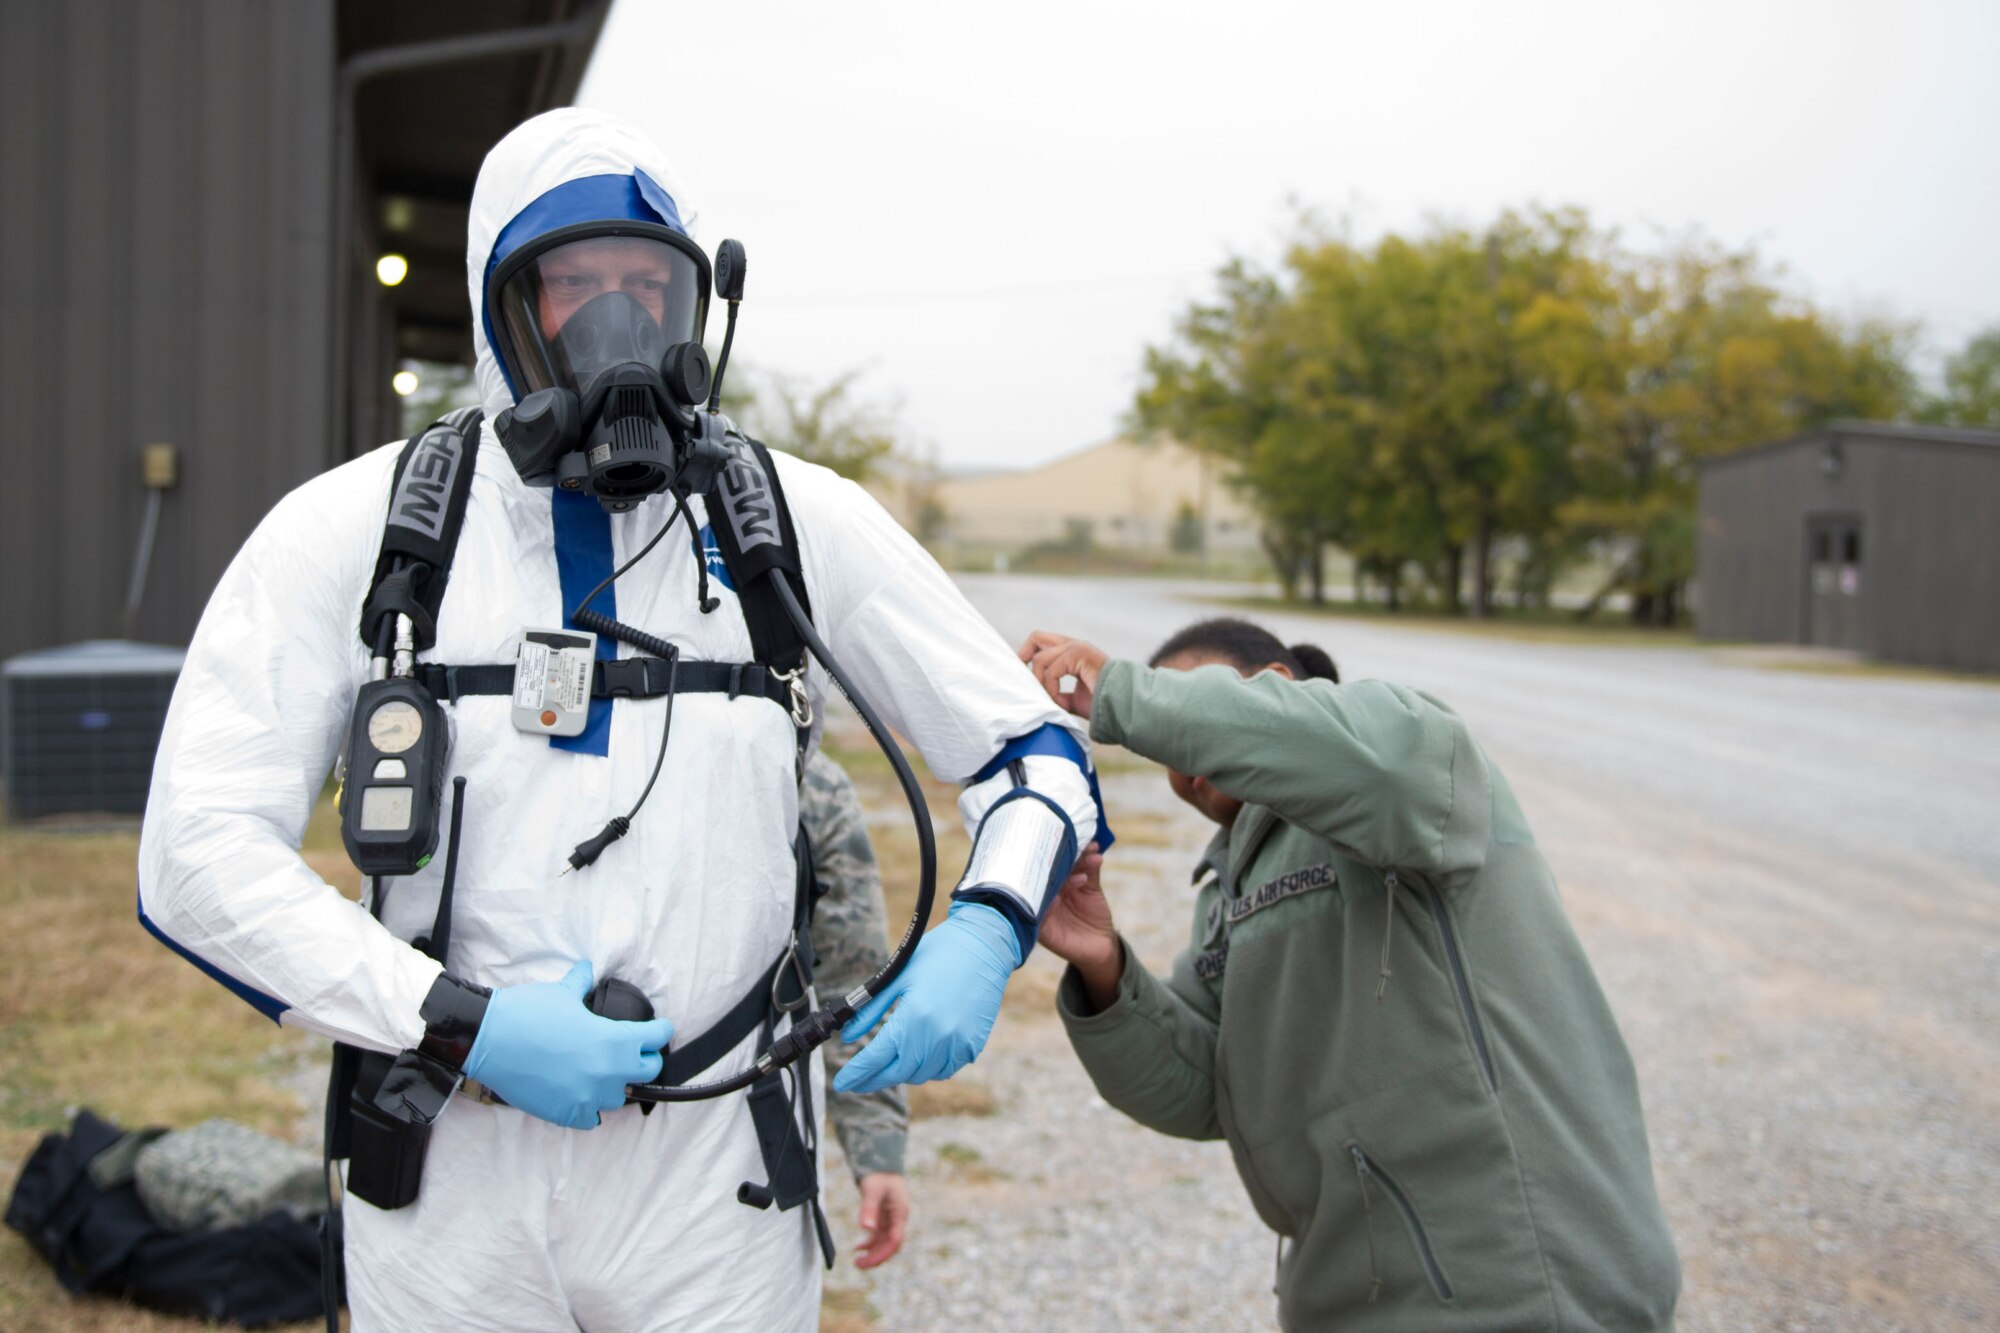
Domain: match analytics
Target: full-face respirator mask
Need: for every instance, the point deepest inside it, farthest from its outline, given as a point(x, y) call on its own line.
point(599, 328)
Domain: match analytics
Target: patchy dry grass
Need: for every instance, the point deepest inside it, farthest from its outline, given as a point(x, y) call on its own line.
point(848, 744)
point(965, 1163)
point(845, 1310)
point(964, 1095)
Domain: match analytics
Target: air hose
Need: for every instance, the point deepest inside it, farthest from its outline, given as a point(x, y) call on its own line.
point(808, 1033)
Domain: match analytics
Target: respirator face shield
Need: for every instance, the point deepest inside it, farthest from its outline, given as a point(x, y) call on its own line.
point(536, 291)
point(599, 329)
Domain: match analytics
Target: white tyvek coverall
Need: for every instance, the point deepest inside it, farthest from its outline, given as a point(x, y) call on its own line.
point(520, 1223)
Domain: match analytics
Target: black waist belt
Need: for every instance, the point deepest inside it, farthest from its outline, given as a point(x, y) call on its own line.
point(782, 986)
point(623, 678)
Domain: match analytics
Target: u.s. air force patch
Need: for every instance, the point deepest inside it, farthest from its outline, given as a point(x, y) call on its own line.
point(1304, 880)
point(1225, 914)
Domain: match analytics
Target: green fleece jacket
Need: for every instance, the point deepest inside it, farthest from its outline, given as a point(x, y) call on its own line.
point(1387, 1015)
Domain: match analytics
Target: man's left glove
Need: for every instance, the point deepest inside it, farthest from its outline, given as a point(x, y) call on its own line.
point(945, 1001)
point(543, 1051)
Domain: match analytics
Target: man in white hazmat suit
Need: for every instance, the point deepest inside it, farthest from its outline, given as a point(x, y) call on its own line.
point(523, 1222)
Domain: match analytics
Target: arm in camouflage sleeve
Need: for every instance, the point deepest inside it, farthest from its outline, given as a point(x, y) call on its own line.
point(851, 939)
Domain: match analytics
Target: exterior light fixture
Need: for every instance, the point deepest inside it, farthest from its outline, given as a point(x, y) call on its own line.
point(1832, 458)
point(404, 382)
point(391, 269)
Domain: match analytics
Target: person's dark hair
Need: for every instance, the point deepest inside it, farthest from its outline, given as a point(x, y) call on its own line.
point(1247, 647)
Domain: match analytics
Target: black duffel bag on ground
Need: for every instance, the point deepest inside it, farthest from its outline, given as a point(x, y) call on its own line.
point(76, 1204)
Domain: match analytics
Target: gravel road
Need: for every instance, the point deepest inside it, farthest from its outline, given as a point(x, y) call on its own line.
point(1789, 882)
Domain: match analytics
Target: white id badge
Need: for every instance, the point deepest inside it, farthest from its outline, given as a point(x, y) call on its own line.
point(552, 669)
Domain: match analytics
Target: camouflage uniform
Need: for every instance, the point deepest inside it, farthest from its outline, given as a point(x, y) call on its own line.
point(850, 935)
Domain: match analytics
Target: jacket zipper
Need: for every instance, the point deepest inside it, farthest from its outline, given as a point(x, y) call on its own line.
point(1461, 984)
point(1365, 1170)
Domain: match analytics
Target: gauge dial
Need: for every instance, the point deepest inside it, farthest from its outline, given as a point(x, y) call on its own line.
point(395, 727)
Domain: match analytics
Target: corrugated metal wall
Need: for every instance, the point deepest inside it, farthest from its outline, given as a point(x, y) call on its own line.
point(164, 276)
point(1750, 561)
point(1930, 544)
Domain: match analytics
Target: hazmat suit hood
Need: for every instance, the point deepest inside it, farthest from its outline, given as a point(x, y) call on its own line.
point(556, 170)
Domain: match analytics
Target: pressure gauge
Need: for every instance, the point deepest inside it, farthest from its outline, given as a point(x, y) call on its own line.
point(395, 726)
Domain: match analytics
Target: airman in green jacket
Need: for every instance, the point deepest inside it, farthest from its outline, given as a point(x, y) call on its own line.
point(1384, 1009)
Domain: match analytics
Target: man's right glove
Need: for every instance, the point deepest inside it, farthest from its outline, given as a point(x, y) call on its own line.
point(545, 1053)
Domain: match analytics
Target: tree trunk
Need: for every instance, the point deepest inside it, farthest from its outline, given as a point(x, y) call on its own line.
point(1282, 551)
point(1316, 565)
point(1454, 574)
point(1643, 595)
point(1482, 568)
point(1392, 580)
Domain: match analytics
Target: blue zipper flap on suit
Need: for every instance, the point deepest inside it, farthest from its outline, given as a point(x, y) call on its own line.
point(1463, 985)
point(1367, 1170)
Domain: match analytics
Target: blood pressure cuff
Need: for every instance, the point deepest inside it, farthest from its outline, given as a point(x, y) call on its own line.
point(1023, 851)
point(1054, 742)
point(1025, 842)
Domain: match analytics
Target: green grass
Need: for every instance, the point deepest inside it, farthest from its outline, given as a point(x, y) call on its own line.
point(1877, 671)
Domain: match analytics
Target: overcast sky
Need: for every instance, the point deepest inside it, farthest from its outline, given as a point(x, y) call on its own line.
point(991, 211)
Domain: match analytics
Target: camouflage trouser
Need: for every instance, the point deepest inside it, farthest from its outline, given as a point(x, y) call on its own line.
point(850, 936)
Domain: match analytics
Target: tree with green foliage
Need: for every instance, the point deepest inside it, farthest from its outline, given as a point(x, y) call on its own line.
point(829, 424)
point(1424, 400)
point(1971, 394)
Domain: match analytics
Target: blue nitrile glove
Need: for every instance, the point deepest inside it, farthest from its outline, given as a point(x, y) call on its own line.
point(950, 995)
point(542, 1051)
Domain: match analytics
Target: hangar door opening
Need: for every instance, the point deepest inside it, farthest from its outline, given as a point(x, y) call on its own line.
point(1833, 589)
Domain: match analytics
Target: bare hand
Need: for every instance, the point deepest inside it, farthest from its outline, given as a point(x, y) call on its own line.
point(1067, 668)
point(1078, 929)
point(885, 1209)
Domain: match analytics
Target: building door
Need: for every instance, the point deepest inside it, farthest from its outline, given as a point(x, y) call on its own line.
point(1833, 580)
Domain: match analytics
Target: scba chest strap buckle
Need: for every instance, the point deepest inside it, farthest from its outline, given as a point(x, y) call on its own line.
point(801, 702)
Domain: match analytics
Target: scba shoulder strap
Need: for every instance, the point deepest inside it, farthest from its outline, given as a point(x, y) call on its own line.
point(420, 536)
point(753, 531)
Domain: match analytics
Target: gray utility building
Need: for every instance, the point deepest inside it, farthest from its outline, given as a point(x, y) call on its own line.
point(1876, 537)
point(196, 196)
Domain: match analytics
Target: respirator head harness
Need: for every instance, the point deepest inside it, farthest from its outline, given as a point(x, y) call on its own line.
point(598, 326)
